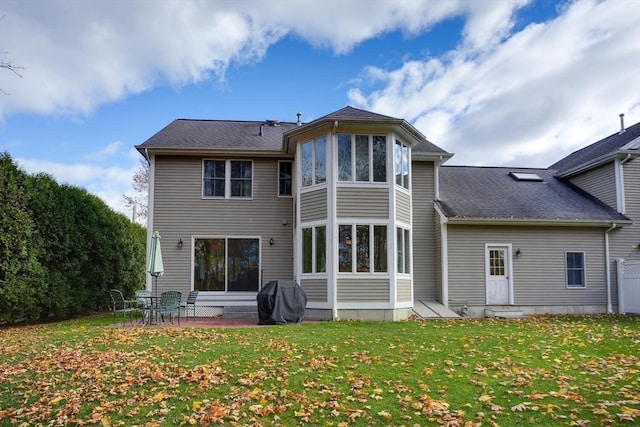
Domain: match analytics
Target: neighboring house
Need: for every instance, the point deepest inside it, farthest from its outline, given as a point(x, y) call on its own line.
point(358, 209)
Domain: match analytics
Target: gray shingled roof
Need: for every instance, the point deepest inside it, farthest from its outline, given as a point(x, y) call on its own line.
point(351, 113)
point(219, 134)
point(488, 193)
point(602, 149)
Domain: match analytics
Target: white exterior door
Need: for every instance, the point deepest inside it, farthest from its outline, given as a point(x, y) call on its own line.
point(498, 274)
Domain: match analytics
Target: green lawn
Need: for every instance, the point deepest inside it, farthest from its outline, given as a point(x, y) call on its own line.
point(540, 371)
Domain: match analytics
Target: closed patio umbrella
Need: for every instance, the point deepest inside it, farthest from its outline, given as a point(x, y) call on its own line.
point(155, 259)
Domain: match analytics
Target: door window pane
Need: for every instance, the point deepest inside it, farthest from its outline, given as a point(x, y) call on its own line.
point(209, 265)
point(242, 265)
point(226, 265)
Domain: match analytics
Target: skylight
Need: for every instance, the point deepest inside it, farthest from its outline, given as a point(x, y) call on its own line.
point(525, 176)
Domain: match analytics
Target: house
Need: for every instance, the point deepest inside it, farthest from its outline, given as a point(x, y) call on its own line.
point(361, 211)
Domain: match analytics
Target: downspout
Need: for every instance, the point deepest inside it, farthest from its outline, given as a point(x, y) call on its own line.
point(608, 267)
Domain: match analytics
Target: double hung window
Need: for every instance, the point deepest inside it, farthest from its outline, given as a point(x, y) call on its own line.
point(285, 178)
point(227, 178)
point(575, 270)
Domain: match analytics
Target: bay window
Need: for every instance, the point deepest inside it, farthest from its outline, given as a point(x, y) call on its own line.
point(365, 244)
point(314, 249)
point(314, 162)
point(362, 158)
point(402, 164)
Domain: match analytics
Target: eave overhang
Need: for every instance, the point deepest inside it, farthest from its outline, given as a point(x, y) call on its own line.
point(620, 154)
point(208, 152)
point(402, 128)
point(535, 222)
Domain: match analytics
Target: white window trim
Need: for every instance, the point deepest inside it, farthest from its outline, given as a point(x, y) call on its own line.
point(227, 180)
point(353, 181)
point(293, 184)
point(226, 249)
point(584, 270)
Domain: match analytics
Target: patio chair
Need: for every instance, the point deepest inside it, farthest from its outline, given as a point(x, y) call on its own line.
point(169, 304)
point(119, 304)
point(143, 302)
point(190, 304)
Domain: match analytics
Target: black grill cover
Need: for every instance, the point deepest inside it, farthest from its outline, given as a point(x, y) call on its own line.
point(281, 301)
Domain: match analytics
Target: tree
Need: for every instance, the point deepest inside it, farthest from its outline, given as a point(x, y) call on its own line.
point(11, 67)
point(139, 201)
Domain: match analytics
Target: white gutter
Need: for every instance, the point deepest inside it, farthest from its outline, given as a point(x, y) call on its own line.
point(607, 267)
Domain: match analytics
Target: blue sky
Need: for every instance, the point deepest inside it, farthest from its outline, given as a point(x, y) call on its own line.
point(496, 82)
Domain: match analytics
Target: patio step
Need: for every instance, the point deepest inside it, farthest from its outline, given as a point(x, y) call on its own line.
point(504, 313)
point(240, 312)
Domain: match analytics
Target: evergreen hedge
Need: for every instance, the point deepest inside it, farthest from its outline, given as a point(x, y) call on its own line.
point(61, 248)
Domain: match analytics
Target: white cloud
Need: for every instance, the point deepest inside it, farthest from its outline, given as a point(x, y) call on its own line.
point(108, 151)
point(80, 55)
point(542, 93)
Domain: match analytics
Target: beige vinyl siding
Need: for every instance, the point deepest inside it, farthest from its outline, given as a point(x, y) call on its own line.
point(362, 202)
point(316, 289)
point(622, 239)
point(538, 274)
point(180, 212)
point(403, 289)
point(313, 205)
point(600, 182)
point(403, 204)
point(363, 290)
point(425, 247)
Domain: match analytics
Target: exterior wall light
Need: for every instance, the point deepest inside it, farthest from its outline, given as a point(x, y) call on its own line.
point(271, 241)
point(180, 244)
point(518, 252)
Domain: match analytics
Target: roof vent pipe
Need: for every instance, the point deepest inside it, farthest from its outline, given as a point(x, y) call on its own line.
point(299, 121)
point(261, 130)
point(622, 129)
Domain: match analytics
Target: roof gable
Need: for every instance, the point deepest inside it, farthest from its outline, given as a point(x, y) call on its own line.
point(604, 150)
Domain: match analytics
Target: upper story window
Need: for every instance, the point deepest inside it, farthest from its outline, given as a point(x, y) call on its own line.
point(227, 178)
point(285, 178)
point(402, 164)
point(362, 158)
point(575, 270)
point(314, 162)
